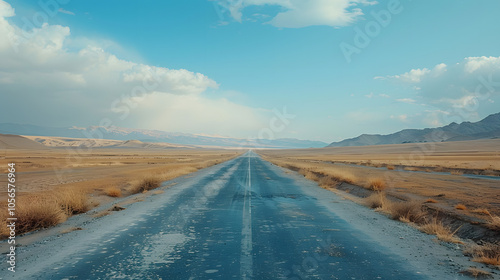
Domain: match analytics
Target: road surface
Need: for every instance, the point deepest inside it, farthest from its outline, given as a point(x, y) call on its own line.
point(242, 219)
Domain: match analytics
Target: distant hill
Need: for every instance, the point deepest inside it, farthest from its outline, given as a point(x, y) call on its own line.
point(488, 128)
point(155, 136)
point(18, 142)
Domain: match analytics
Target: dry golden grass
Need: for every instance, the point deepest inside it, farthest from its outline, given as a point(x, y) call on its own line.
point(71, 229)
point(476, 273)
point(487, 253)
point(377, 184)
point(494, 223)
point(327, 182)
point(431, 200)
point(376, 201)
point(34, 212)
point(72, 201)
point(480, 155)
point(147, 184)
point(315, 172)
point(113, 192)
point(56, 183)
point(391, 167)
point(482, 211)
point(406, 211)
point(452, 189)
point(460, 207)
point(443, 233)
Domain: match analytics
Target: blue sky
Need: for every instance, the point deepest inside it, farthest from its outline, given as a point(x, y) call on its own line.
point(253, 56)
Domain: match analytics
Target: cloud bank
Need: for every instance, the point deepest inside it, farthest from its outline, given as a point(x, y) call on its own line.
point(45, 82)
point(303, 13)
point(460, 91)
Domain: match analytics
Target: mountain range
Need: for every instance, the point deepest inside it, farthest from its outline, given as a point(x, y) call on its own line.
point(154, 136)
point(488, 128)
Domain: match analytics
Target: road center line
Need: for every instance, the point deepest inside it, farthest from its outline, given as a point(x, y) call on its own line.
point(246, 260)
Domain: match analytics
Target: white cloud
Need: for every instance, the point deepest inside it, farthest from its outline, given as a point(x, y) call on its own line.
point(303, 13)
point(413, 76)
point(6, 10)
point(403, 118)
point(406, 100)
point(476, 64)
point(45, 82)
point(61, 10)
point(196, 113)
point(464, 88)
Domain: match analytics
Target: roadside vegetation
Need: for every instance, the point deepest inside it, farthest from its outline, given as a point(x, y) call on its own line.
point(378, 196)
point(97, 178)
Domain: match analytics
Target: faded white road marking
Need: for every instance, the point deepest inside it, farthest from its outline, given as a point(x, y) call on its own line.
point(246, 260)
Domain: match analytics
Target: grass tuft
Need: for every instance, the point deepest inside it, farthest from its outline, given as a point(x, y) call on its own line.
point(460, 207)
point(376, 201)
point(35, 212)
point(476, 273)
point(442, 232)
point(406, 211)
point(377, 184)
point(328, 182)
point(430, 200)
point(146, 184)
point(487, 253)
point(113, 192)
point(482, 211)
point(72, 201)
point(494, 223)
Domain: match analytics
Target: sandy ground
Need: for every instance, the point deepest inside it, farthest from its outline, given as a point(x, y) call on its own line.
point(420, 251)
point(477, 154)
point(47, 171)
point(448, 190)
point(42, 170)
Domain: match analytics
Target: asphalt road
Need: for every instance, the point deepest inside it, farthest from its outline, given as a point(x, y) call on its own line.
point(243, 219)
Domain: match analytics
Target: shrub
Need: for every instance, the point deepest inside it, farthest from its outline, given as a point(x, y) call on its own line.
point(327, 181)
point(146, 184)
point(37, 211)
point(494, 223)
point(476, 273)
point(377, 184)
point(72, 201)
point(113, 192)
point(376, 200)
point(442, 232)
point(487, 253)
point(406, 211)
